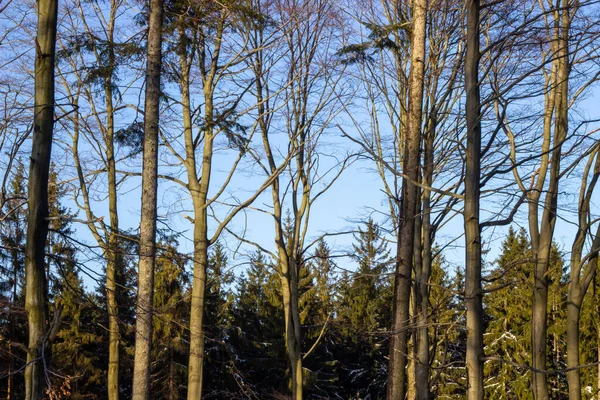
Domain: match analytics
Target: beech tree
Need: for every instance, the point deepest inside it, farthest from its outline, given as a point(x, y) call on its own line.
point(36, 293)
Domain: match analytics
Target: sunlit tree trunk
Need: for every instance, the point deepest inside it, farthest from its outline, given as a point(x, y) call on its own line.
point(112, 251)
point(36, 295)
point(143, 334)
point(423, 274)
point(199, 187)
point(408, 208)
point(543, 241)
point(473, 290)
point(583, 270)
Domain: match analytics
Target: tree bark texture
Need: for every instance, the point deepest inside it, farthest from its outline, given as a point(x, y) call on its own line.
point(473, 290)
point(546, 232)
point(408, 208)
point(143, 334)
point(112, 252)
point(36, 290)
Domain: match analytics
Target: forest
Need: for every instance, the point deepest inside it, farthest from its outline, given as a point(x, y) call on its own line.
point(299, 199)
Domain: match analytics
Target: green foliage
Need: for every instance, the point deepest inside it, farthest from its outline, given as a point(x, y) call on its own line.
point(257, 332)
point(13, 319)
point(508, 310)
point(170, 335)
point(363, 316)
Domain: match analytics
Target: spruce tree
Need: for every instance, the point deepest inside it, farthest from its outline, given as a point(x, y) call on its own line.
point(257, 329)
point(170, 336)
point(220, 357)
point(13, 322)
point(364, 312)
point(74, 352)
point(508, 312)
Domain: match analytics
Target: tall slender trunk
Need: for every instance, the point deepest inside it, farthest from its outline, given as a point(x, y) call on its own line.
point(143, 334)
point(582, 274)
point(196, 360)
point(473, 291)
point(540, 295)
point(422, 281)
point(574, 300)
point(597, 306)
point(36, 295)
point(408, 208)
point(292, 324)
point(199, 191)
point(112, 251)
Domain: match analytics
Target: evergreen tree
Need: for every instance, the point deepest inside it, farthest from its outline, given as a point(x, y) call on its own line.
point(171, 308)
point(320, 337)
point(257, 330)
point(75, 360)
point(364, 315)
point(13, 320)
point(220, 356)
point(508, 311)
point(448, 333)
point(74, 356)
point(126, 276)
point(509, 314)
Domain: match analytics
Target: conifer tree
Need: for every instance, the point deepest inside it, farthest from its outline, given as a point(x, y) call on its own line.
point(509, 315)
point(508, 312)
point(258, 324)
point(78, 372)
point(217, 323)
point(364, 312)
point(447, 333)
point(171, 306)
point(12, 275)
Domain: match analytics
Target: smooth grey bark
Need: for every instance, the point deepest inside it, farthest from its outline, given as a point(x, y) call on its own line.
point(583, 269)
point(424, 273)
point(408, 208)
point(473, 290)
point(143, 334)
point(36, 290)
point(542, 238)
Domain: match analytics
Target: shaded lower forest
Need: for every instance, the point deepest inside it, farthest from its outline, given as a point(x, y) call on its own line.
point(345, 315)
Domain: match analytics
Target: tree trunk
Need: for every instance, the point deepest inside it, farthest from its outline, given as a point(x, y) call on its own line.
point(113, 245)
point(422, 343)
point(36, 295)
point(401, 319)
point(201, 241)
point(574, 300)
point(540, 295)
point(292, 329)
point(196, 361)
point(143, 335)
point(473, 291)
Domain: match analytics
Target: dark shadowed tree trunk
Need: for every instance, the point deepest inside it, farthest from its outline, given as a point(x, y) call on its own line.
point(143, 335)
point(36, 290)
point(473, 291)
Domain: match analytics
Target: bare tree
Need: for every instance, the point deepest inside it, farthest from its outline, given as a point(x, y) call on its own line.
point(98, 128)
point(213, 50)
point(408, 206)
point(37, 222)
point(583, 268)
point(306, 101)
